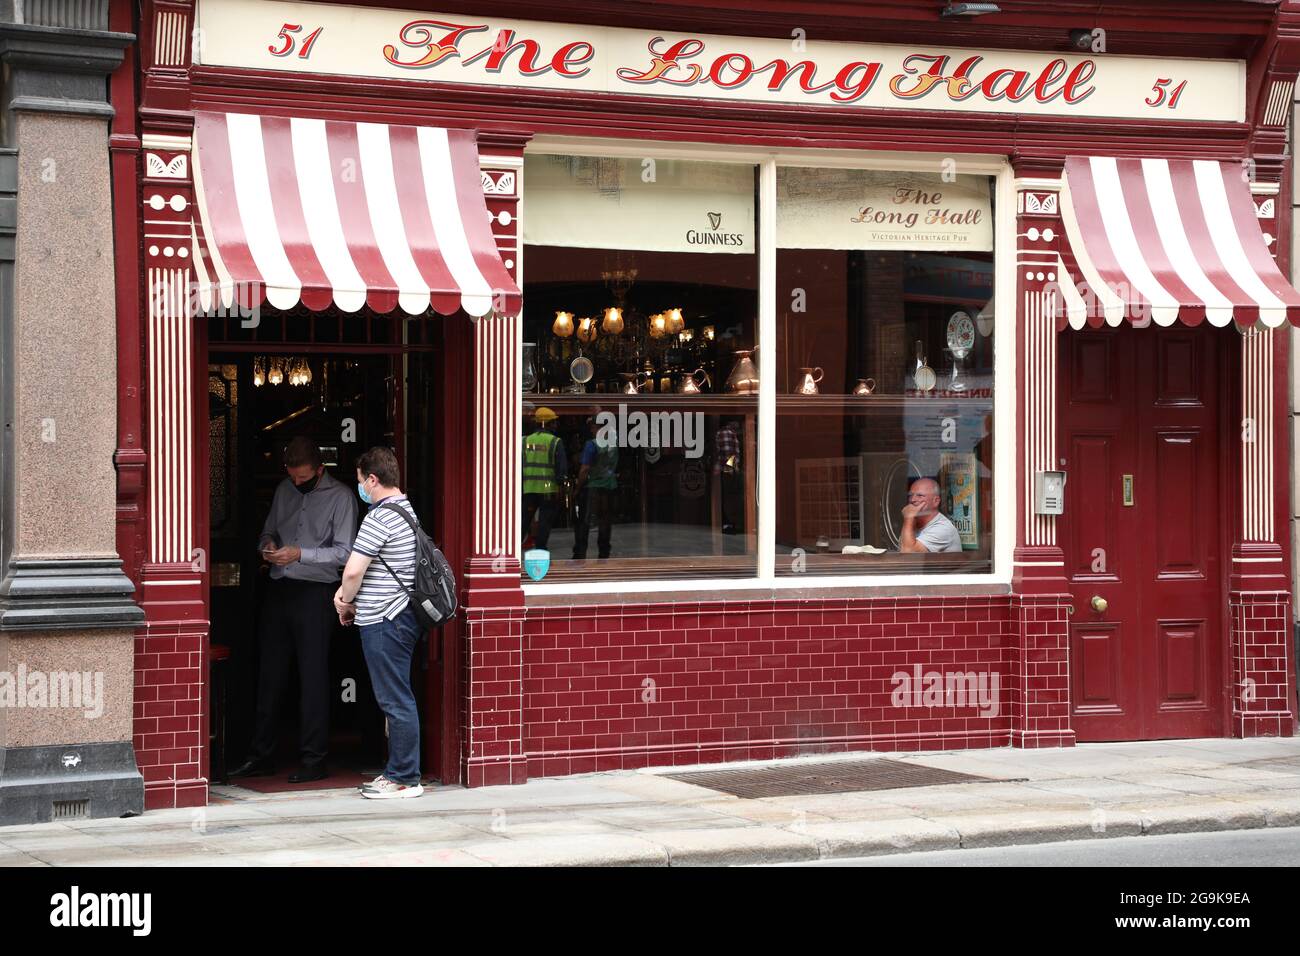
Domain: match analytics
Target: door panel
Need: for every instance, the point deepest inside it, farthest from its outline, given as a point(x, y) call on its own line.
point(1092, 553)
point(1143, 403)
point(1098, 681)
point(1178, 370)
point(1179, 551)
point(1093, 371)
point(1182, 649)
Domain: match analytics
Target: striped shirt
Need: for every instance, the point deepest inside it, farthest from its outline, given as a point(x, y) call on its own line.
point(382, 531)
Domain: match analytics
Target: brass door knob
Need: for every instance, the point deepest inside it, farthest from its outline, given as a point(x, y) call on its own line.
point(1099, 604)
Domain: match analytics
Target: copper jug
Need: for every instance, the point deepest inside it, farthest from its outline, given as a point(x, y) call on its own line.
point(743, 379)
point(688, 384)
point(806, 382)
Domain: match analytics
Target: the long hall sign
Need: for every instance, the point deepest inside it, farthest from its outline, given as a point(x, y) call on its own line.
point(357, 41)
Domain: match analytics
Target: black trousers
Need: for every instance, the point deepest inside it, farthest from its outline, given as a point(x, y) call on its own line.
point(297, 620)
point(544, 508)
point(594, 505)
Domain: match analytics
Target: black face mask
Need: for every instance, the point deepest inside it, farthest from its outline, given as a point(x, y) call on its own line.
point(307, 486)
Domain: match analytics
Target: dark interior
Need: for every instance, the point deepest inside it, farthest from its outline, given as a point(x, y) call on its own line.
point(368, 387)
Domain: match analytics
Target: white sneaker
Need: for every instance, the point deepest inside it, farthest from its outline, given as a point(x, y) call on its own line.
point(371, 784)
point(386, 789)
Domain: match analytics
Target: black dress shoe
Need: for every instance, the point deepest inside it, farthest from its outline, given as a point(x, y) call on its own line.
point(306, 774)
point(253, 768)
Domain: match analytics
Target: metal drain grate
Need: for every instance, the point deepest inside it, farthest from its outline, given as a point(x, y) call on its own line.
point(70, 809)
point(839, 777)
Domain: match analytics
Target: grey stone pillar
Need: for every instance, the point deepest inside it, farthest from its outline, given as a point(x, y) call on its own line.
point(67, 612)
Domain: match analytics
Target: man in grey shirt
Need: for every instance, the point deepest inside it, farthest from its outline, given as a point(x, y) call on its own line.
point(307, 538)
point(925, 528)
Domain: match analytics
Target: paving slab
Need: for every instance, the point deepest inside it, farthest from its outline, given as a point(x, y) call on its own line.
point(399, 833)
point(1102, 791)
point(18, 858)
point(641, 817)
point(55, 838)
point(955, 797)
point(763, 811)
point(874, 804)
point(1188, 783)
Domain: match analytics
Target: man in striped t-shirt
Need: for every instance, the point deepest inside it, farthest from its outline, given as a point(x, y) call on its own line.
point(375, 598)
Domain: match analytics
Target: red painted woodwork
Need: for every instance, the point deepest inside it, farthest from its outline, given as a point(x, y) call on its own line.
point(1145, 403)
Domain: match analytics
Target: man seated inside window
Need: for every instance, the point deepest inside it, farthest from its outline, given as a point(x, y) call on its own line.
point(925, 528)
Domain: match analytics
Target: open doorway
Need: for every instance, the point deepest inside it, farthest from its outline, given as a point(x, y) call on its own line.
point(347, 383)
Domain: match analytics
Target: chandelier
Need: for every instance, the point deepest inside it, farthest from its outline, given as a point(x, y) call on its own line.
point(276, 370)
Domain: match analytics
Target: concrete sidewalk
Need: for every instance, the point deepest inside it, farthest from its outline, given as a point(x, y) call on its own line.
point(1090, 792)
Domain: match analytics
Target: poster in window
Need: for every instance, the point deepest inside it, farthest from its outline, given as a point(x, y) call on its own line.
point(959, 481)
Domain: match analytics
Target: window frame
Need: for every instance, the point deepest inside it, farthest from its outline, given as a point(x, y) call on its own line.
point(1006, 439)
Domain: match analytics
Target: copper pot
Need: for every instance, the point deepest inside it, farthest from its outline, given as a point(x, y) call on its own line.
point(743, 379)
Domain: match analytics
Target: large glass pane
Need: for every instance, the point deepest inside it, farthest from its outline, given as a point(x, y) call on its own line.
point(640, 316)
point(884, 373)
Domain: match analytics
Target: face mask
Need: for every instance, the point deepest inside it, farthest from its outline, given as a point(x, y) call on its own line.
point(361, 490)
point(308, 485)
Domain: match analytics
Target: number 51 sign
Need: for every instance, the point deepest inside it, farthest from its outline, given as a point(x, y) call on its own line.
point(289, 41)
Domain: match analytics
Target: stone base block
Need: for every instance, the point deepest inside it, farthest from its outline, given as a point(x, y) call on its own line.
point(69, 781)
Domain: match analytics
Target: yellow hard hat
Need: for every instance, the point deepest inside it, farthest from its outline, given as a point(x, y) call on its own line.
point(544, 414)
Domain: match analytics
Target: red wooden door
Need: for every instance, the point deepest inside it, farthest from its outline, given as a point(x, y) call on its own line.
point(1141, 419)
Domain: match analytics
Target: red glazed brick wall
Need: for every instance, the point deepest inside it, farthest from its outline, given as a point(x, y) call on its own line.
point(1040, 683)
point(1261, 633)
point(624, 686)
point(492, 696)
point(170, 729)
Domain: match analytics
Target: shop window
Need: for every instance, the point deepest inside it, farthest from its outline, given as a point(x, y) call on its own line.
point(640, 404)
point(884, 372)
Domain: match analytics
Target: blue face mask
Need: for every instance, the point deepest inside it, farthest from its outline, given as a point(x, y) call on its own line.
point(361, 490)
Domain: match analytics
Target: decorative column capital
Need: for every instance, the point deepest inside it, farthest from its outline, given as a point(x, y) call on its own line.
point(58, 70)
point(68, 593)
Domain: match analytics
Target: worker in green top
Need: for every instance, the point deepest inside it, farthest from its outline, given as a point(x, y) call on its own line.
point(545, 468)
point(597, 487)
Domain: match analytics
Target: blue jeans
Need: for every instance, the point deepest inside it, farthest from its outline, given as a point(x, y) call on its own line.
point(388, 647)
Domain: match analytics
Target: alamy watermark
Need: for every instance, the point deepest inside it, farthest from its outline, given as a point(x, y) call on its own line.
point(638, 429)
point(946, 689)
point(74, 909)
point(68, 690)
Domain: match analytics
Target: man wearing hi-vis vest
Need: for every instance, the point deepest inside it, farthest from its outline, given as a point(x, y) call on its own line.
point(545, 468)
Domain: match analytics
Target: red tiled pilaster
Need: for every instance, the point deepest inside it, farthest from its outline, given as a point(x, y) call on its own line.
point(1040, 694)
point(493, 702)
point(1261, 635)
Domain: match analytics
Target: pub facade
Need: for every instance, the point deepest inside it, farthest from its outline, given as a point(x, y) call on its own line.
point(757, 283)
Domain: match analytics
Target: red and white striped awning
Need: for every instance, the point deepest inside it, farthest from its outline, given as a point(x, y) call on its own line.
point(355, 214)
point(1167, 240)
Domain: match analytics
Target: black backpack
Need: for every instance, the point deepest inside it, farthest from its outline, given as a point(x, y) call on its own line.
point(433, 592)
